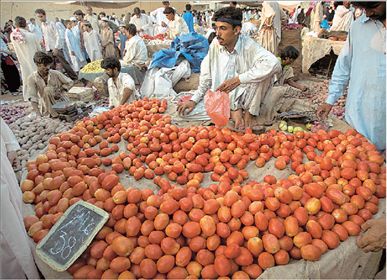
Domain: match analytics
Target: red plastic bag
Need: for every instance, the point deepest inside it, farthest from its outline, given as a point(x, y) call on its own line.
point(218, 107)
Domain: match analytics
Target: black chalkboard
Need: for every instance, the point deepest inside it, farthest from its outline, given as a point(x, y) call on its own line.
point(71, 235)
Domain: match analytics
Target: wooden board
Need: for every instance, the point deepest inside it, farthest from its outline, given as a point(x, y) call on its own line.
point(71, 235)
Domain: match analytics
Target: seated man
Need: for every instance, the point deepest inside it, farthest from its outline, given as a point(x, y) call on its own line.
point(238, 65)
point(176, 26)
point(121, 86)
point(45, 86)
point(136, 53)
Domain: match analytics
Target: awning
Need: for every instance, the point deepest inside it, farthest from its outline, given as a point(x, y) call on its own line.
point(104, 4)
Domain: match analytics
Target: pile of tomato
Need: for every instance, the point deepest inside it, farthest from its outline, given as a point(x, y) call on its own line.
point(234, 227)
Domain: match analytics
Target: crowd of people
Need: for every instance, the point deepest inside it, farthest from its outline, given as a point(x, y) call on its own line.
point(246, 68)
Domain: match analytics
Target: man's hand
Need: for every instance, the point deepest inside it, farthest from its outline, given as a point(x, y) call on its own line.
point(373, 237)
point(323, 111)
point(186, 107)
point(229, 85)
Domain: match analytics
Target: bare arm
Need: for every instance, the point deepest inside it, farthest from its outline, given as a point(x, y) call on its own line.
point(127, 93)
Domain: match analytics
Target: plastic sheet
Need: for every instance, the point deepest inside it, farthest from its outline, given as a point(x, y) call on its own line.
point(218, 107)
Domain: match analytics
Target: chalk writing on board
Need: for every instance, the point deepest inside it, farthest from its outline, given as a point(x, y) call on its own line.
point(71, 235)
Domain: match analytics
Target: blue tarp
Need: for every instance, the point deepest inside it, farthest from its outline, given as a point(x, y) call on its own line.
point(192, 46)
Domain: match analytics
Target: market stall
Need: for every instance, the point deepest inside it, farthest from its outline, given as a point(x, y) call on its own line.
point(110, 161)
point(314, 48)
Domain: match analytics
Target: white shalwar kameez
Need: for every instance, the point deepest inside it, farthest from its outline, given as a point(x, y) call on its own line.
point(17, 261)
point(25, 51)
point(270, 28)
point(116, 90)
point(92, 45)
point(255, 67)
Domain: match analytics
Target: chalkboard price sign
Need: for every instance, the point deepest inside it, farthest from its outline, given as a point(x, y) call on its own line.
point(71, 235)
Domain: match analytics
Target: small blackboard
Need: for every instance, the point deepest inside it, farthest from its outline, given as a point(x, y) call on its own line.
point(71, 235)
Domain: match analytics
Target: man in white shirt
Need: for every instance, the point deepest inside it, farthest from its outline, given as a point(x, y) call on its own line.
point(176, 24)
point(136, 54)
point(92, 42)
point(237, 65)
point(54, 43)
point(121, 86)
point(93, 19)
point(141, 21)
point(25, 44)
point(160, 19)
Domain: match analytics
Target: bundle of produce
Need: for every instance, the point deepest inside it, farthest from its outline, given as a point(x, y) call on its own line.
point(231, 228)
point(12, 112)
point(33, 135)
point(92, 67)
point(156, 37)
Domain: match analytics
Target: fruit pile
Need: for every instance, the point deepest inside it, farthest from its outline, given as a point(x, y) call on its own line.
point(234, 227)
point(93, 67)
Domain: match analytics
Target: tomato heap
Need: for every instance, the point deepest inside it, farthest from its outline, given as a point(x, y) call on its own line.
point(233, 228)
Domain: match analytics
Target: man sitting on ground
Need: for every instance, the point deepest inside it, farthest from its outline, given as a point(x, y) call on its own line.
point(176, 26)
point(121, 86)
point(46, 86)
point(237, 65)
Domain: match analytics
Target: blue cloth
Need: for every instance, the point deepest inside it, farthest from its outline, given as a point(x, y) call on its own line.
point(324, 24)
point(362, 66)
point(3, 46)
point(191, 46)
point(74, 44)
point(188, 17)
point(123, 39)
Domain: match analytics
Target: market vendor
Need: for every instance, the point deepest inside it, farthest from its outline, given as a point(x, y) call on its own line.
point(238, 65)
point(45, 86)
point(361, 66)
point(121, 86)
point(176, 24)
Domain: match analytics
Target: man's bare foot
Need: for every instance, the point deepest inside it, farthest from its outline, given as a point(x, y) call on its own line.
point(236, 116)
point(248, 119)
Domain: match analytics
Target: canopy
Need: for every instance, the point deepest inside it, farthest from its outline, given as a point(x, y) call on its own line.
point(104, 4)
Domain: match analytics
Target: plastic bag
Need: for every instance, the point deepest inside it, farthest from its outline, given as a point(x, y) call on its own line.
point(218, 107)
